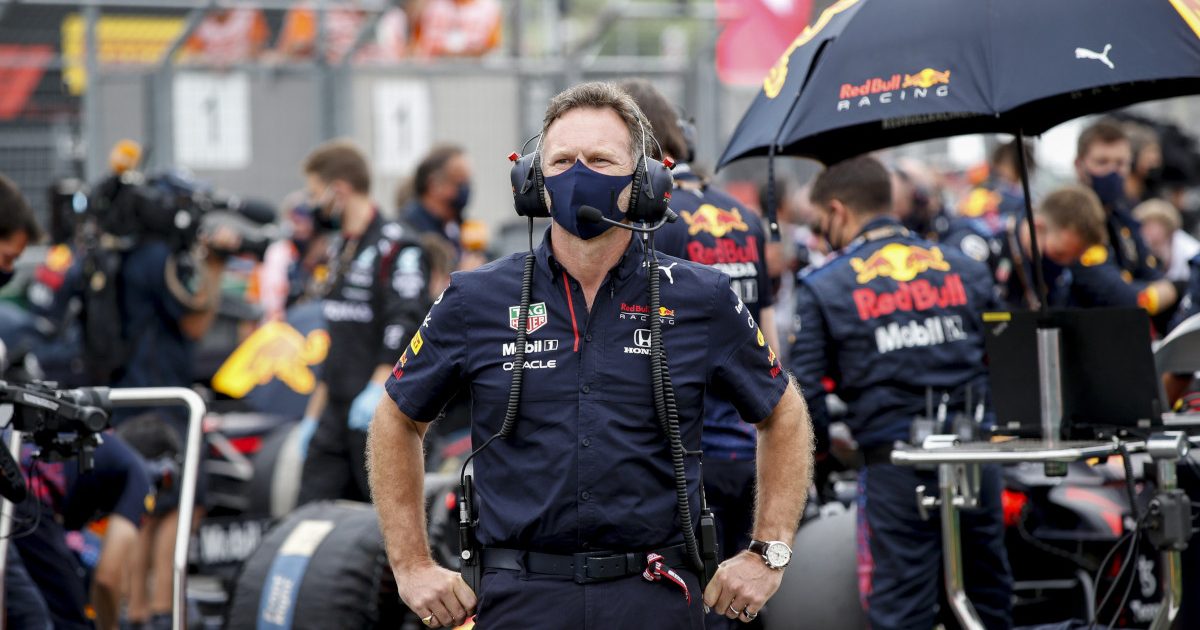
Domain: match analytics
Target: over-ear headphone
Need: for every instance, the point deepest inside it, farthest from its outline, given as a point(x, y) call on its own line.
point(527, 182)
point(649, 196)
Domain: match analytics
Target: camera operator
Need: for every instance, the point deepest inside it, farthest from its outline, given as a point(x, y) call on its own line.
point(43, 579)
point(374, 297)
point(148, 282)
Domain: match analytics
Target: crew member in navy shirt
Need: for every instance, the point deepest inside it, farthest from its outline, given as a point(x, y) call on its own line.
point(895, 320)
point(585, 480)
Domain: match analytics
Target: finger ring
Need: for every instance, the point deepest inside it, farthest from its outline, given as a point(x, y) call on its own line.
point(428, 620)
point(749, 615)
point(733, 610)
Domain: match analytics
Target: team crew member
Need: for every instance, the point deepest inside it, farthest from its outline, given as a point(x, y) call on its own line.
point(573, 501)
point(917, 203)
point(1102, 162)
point(1069, 223)
point(441, 189)
point(1001, 196)
point(374, 296)
point(714, 229)
point(892, 319)
point(1094, 279)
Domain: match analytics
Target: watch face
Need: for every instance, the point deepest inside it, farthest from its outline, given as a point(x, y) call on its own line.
point(778, 554)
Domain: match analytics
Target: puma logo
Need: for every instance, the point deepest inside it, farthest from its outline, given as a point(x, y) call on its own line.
point(667, 270)
point(1102, 57)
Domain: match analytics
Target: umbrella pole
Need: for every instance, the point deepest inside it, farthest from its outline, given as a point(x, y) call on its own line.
point(1035, 253)
point(1049, 343)
point(772, 207)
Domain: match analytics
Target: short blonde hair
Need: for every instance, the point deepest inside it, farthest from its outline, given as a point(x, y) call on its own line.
point(1075, 208)
point(1161, 211)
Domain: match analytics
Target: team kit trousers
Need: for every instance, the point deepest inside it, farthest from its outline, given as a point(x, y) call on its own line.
point(900, 554)
point(336, 464)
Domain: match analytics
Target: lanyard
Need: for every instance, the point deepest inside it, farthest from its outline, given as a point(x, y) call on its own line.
point(886, 231)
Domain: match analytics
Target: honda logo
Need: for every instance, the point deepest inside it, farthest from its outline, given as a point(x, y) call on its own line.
point(641, 337)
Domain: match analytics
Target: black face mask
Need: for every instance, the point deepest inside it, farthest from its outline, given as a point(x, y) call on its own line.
point(461, 198)
point(827, 234)
point(1153, 180)
point(326, 221)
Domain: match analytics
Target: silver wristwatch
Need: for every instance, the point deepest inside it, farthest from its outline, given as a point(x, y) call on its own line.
point(775, 553)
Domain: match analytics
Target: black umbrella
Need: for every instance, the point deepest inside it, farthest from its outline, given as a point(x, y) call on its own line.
point(870, 74)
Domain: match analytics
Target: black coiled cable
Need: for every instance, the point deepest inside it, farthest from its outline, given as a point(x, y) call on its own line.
point(518, 371)
point(668, 413)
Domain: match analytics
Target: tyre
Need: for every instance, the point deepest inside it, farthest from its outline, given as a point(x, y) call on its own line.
point(323, 566)
point(824, 593)
point(276, 482)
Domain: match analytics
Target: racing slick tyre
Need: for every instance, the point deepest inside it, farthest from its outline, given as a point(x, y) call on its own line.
point(276, 482)
point(323, 566)
point(826, 596)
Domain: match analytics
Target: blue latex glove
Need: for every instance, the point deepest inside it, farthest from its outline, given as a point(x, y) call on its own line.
point(363, 407)
point(308, 426)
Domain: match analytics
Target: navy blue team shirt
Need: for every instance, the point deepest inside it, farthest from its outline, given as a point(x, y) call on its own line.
point(714, 229)
point(889, 318)
point(588, 466)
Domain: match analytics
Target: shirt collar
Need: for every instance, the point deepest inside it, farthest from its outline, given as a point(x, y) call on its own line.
point(420, 217)
point(883, 221)
point(683, 173)
point(630, 262)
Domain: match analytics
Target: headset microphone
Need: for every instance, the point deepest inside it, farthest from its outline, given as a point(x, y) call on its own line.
point(593, 215)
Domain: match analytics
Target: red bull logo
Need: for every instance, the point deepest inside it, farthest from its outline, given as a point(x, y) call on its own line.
point(895, 88)
point(713, 220)
point(926, 78)
point(898, 262)
point(274, 351)
point(918, 295)
point(725, 251)
point(638, 312)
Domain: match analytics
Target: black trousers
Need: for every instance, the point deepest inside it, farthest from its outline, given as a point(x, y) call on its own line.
point(336, 465)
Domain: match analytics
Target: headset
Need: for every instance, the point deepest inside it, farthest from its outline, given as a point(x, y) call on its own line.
point(649, 199)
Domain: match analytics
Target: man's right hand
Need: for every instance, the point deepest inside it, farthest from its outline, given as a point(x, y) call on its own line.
point(429, 589)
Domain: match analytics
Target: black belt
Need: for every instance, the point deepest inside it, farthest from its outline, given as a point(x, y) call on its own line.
point(585, 567)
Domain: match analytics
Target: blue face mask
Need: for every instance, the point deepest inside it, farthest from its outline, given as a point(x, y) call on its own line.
point(1109, 188)
point(580, 186)
point(461, 198)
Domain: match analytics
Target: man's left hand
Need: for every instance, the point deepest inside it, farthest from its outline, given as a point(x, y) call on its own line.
point(363, 407)
point(741, 586)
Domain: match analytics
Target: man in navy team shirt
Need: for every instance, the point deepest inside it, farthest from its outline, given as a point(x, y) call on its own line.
point(582, 492)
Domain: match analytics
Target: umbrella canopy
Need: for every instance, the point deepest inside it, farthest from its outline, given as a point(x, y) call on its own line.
point(869, 74)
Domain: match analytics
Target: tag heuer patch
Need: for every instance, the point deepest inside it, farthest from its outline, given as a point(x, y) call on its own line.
point(537, 316)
